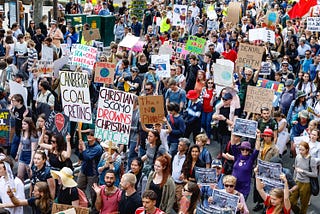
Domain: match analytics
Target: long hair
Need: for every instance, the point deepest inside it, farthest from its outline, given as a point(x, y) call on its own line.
point(195, 197)
point(157, 135)
point(32, 131)
point(278, 193)
point(187, 165)
point(61, 143)
point(45, 201)
point(165, 161)
point(301, 81)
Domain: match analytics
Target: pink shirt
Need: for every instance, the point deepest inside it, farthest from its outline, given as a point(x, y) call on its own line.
point(110, 202)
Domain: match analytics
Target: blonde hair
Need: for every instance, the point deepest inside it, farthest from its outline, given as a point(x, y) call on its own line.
point(278, 193)
point(202, 137)
point(230, 178)
point(130, 178)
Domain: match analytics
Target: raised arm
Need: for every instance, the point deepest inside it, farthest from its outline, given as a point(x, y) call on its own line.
point(286, 200)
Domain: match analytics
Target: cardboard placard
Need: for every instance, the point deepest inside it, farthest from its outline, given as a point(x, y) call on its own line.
point(92, 34)
point(104, 72)
point(271, 18)
point(313, 24)
point(277, 87)
point(57, 123)
point(114, 115)
point(75, 96)
point(250, 56)
point(245, 128)
point(68, 211)
point(234, 11)
point(61, 207)
point(162, 64)
point(151, 109)
point(195, 44)
point(4, 127)
point(84, 56)
point(257, 98)
point(179, 15)
point(45, 67)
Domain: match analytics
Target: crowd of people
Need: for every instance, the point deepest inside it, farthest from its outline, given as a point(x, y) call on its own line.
point(156, 171)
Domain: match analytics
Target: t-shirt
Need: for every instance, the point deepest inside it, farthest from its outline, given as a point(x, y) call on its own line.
point(141, 210)
point(270, 208)
point(18, 115)
point(129, 204)
point(36, 209)
point(151, 153)
point(110, 202)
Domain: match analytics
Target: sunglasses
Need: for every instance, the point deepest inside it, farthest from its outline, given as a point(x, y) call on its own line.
point(245, 150)
point(228, 185)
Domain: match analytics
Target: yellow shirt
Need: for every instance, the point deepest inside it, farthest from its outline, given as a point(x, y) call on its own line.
point(164, 26)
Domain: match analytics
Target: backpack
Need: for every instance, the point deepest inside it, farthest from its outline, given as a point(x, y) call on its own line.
point(83, 201)
point(57, 101)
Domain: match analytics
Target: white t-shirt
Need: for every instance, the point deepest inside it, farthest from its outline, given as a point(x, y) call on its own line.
point(19, 193)
point(163, 137)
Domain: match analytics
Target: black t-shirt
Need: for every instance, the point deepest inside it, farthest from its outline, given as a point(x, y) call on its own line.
point(223, 126)
point(137, 80)
point(129, 204)
point(148, 14)
point(158, 190)
point(18, 114)
point(66, 196)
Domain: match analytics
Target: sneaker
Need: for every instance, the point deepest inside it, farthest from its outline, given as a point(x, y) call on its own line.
point(258, 207)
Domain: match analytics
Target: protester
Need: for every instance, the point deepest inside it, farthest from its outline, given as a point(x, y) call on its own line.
point(149, 198)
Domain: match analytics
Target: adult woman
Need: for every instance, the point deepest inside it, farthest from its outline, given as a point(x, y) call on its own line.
point(208, 96)
point(67, 192)
point(161, 182)
point(192, 161)
point(278, 199)
point(71, 36)
point(229, 53)
point(41, 201)
point(296, 106)
point(136, 169)
point(180, 78)
point(244, 160)
point(142, 64)
point(190, 198)
point(41, 172)
point(298, 128)
point(200, 82)
point(314, 145)
point(316, 81)
point(304, 162)
point(27, 147)
point(306, 86)
point(32, 28)
point(59, 151)
point(110, 159)
point(283, 134)
point(9, 48)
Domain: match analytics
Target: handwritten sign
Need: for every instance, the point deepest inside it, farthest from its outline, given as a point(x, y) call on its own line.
point(162, 63)
point(262, 34)
point(57, 123)
point(234, 10)
point(250, 56)
point(84, 56)
point(4, 127)
point(195, 44)
point(277, 87)
point(92, 34)
point(75, 96)
point(151, 109)
point(45, 67)
point(104, 72)
point(271, 19)
point(114, 116)
point(257, 98)
point(46, 53)
point(179, 15)
point(56, 208)
point(313, 24)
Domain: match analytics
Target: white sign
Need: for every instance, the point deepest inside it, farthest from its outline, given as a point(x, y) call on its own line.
point(46, 53)
point(313, 24)
point(179, 15)
point(262, 34)
point(84, 56)
point(223, 74)
point(129, 41)
point(16, 88)
point(162, 64)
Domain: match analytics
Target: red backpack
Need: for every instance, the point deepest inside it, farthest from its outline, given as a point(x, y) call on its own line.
point(83, 201)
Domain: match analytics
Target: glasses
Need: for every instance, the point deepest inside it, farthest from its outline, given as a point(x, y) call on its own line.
point(284, 65)
point(245, 150)
point(247, 74)
point(216, 167)
point(229, 185)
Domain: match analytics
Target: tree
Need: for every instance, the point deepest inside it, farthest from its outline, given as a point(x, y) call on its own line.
point(37, 10)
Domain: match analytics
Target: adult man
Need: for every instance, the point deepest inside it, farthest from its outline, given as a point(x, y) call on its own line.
point(38, 38)
point(149, 200)
point(149, 89)
point(175, 94)
point(267, 122)
point(104, 10)
point(302, 48)
point(45, 99)
point(191, 72)
point(108, 196)
point(306, 62)
point(287, 96)
point(118, 30)
point(130, 199)
point(147, 17)
point(89, 154)
point(215, 55)
point(177, 163)
point(136, 26)
point(195, 9)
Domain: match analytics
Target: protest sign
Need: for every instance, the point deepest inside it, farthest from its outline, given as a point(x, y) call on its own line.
point(4, 127)
point(151, 109)
point(224, 201)
point(265, 68)
point(165, 49)
point(206, 176)
point(46, 53)
point(104, 72)
point(207, 210)
point(179, 49)
point(91, 34)
point(68, 211)
point(195, 44)
point(61, 207)
point(250, 55)
point(234, 11)
point(162, 64)
point(269, 185)
point(58, 65)
point(179, 15)
point(245, 128)
point(57, 123)
point(138, 47)
point(262, 34)
point(129, 41)
point(75, 96)
point(223, 74)
point(45, 67)
point(84, 56)
point(257, 98)
point(16, 88)
point(114, 115)
point(313, 24)
point(269, 171)
point(271, 19)
point(277, 87)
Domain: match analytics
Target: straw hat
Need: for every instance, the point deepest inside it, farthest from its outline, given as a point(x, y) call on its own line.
point(105, 145)
point(66, 176)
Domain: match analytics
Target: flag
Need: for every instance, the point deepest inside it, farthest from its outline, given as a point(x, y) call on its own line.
point(301, 8)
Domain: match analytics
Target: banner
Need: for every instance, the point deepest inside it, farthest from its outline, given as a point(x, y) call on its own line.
point(84, 56)
point(57, 123)
point(250, 55)
point(269, 171)
point(45, 67)
point(257, 98)
point(277, 87)
point(195, 44)
point(16, 88)
point(223, 75)
point(313, 24)
point(4, 127)
point(92, 34)
point(162, 64)
point(206, 176)
point(104, 72)
point(245, 128)
point(262, 34)
point(75, 96)
point(179, 15)
point(234, 11)
point(114, 115)
point(151, 109)
point(224, 201)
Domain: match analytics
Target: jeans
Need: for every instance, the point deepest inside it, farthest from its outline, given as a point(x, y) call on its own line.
point(14, 145)
point(132, 153)
point(206, 118)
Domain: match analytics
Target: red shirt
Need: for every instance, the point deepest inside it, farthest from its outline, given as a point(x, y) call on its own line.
point(206, 101)
point(231, 55)
point(270, 208)
point(141, 210)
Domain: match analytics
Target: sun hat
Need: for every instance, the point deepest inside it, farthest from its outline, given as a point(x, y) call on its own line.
point(267, 132)
point(304, 114)
point(245, 145)
point(192, 94)
point(66, 176)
